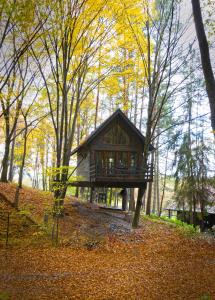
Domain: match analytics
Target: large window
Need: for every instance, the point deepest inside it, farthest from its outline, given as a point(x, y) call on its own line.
point(115, 162)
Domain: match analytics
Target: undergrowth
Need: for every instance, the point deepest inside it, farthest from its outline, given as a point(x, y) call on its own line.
point(182, 226)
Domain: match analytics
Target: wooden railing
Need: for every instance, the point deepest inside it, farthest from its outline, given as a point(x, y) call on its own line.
point(98, 172)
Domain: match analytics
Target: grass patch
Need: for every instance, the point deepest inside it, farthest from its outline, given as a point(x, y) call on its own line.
point(4, 296)
point(187, 229)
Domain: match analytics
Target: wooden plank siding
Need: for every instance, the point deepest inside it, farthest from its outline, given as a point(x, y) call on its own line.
point(113, 156)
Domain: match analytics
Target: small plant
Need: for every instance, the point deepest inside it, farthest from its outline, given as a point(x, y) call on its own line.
point(205, 297)
point(4, 296)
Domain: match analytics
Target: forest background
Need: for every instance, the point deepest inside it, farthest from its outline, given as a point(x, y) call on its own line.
point(66, 66)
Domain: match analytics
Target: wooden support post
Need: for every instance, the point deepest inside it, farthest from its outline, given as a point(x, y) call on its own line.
point(132, 202)
point(115, 198)
point(91, 194)
point(124, 199)
point(77, 192)
point(111, 195)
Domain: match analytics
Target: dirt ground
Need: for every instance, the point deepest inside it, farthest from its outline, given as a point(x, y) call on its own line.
point(88, 223)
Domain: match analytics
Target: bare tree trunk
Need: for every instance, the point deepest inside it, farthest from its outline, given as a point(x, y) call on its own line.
point(11, 169)
point(164, 186)
point(154, 195)
point(205, 58)
point(5, 161)
point(149, 196)
point(97, 105)
point(16, 200)
point(141, 193)
point(149, 199)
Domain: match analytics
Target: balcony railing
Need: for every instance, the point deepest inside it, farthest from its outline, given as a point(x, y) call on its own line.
point(112, 172)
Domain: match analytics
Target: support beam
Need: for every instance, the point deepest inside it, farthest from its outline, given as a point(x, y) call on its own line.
point(124, 199)
point(116, 184)
point(92, 194)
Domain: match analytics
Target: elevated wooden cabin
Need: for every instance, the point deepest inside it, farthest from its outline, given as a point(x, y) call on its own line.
point(112, 155)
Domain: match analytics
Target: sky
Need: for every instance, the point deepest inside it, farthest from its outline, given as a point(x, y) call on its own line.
point(190, 35)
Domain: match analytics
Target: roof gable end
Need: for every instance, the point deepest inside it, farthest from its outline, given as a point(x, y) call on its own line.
point(101, 127)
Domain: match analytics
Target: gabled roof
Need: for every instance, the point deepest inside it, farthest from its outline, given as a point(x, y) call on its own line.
point(98, 130)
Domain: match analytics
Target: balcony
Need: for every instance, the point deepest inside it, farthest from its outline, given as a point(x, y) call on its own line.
point(112, 173)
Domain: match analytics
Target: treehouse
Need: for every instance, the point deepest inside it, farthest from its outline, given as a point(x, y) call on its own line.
point(112, 155)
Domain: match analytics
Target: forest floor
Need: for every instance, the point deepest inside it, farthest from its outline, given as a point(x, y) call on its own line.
point(100, 257)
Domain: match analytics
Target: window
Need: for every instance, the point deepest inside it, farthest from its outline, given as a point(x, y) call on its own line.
point(133, 160)
point(122, 160)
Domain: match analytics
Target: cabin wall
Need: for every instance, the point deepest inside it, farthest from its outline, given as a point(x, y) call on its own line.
point(134, 142)
point(83, 169)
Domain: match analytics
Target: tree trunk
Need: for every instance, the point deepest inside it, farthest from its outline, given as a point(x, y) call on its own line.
point(16, 200)
point(141, 193)
point(149, 199)
point(5, 161)
point(11, 169)
point(205, 58)
point(164, 186)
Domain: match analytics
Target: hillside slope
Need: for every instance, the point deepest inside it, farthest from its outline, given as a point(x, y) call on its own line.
point(156, 261)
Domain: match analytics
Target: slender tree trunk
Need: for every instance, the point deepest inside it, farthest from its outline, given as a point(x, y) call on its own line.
point(141, 109)
point(205, 58)
point(97, 106)
point(149, 196)
point(157, 173)
point(155, 185)
point(16, 200)
point(154, 195)
point(5, 161)
point(35, 169)
point(141, 193)
point(11, 169)
point(149, 199)
point(164, 186)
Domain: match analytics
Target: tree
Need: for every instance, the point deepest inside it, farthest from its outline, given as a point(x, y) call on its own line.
point(15, 79)
point(161, 63)
point(205, 58)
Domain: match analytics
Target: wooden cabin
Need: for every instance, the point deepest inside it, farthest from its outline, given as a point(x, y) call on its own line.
point(112, 155)
point(184, 214)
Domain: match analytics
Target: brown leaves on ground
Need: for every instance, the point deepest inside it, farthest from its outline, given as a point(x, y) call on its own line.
point(30, 199)
point(154, 262)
